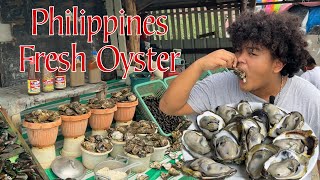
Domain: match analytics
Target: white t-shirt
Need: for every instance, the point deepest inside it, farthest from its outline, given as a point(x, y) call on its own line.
point(313, 76)
point(223, 88)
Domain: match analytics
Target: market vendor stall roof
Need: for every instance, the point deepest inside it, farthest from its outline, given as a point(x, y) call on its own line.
point(169, 4)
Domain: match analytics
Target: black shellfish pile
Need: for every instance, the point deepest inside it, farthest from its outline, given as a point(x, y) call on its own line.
point(167, 123)
point(23, 167)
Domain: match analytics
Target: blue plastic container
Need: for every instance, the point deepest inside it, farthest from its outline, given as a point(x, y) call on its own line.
point(139, 77)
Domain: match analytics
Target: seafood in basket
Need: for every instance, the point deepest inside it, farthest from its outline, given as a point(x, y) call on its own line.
point(268, 141)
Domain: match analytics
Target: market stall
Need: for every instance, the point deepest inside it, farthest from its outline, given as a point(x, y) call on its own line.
point(154, 170)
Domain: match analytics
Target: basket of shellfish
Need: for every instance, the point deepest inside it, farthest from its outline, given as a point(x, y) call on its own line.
point(95, 149)
point(126, 102)
point(249, 140)
point(149, 95)
point(102, 113)
point(42, 127)
point(74, 118)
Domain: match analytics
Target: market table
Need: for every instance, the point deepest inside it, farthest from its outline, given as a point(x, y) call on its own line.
point(16, 99)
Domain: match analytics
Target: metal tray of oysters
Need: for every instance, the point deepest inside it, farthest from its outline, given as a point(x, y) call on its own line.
point(250, 140)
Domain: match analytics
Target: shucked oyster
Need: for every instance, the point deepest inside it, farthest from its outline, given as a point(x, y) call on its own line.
point(244, 108)
point(286, 165)
point(240, 74)
point(253, 133)
point(302, 142)
point(210, 123)
point(195, 143)
point(226, 112)
point(256, 158)
point(274, 113)
point(210, 169)
point(291, 121)
point(226, 148)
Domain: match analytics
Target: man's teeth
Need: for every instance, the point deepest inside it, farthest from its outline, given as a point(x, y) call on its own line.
point(244, 80)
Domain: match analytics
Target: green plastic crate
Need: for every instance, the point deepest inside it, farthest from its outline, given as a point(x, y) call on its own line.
point(156, 88)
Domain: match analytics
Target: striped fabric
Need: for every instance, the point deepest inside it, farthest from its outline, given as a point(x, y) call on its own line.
point(113, 86)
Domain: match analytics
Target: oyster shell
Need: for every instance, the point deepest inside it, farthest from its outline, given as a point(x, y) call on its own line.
point(274, 113)
point(235, 129)
point(210, 123)
point(244, 108)
point(286, 164)
point(302, 142)
point(195, 143)
point(226, 112)
point(253, 133)
point(226, 148)
point(291, 121)
point(256, 158)
point(210, 169)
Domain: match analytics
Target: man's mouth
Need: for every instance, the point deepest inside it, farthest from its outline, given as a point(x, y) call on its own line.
point(241, 74)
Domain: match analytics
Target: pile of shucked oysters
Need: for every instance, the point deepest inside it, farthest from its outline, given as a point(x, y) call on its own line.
point(96, 103)
point(42, 116)
point(97, 143)
point(73, 109)
point(124, 95)
point(268, 141)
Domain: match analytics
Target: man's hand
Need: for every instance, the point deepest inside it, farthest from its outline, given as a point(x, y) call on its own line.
point(218, 59)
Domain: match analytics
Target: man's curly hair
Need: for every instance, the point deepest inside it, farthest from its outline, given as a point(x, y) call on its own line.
point(278, 32)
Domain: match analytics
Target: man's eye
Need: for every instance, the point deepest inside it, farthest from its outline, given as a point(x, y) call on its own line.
point(251, 51)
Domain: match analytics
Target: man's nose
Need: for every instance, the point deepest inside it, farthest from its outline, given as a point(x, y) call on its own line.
point(241, 57)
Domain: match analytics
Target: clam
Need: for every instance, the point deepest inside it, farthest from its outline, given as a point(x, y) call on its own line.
point(256, 158)
point(274, 113)
point(286, 164)
point(244, 108)
point(302, 142)
point(291, 121)
point(210, 123)
point(208, 168)
point(226, 112)
point(195, 143)
point(226, 148)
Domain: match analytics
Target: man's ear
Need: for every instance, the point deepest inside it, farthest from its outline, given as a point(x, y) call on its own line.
point(277, 65)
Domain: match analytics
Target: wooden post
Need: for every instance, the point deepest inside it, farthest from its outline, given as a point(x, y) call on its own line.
point(134, 39)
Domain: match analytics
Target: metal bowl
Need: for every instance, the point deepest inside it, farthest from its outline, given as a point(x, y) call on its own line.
point(111, 164)
point(66, 167)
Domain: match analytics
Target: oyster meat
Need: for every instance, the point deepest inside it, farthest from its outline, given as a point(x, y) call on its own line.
point(291, 121)
point(210, 169)
point(226, 112)
point(252, 133)
point(240, 74)
point(256, 158)
point(244, 108)
point(195, 143)
point(274, 113)
point(286, 164)
point(302, 142)
point(226, 148)
point(210, 123)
